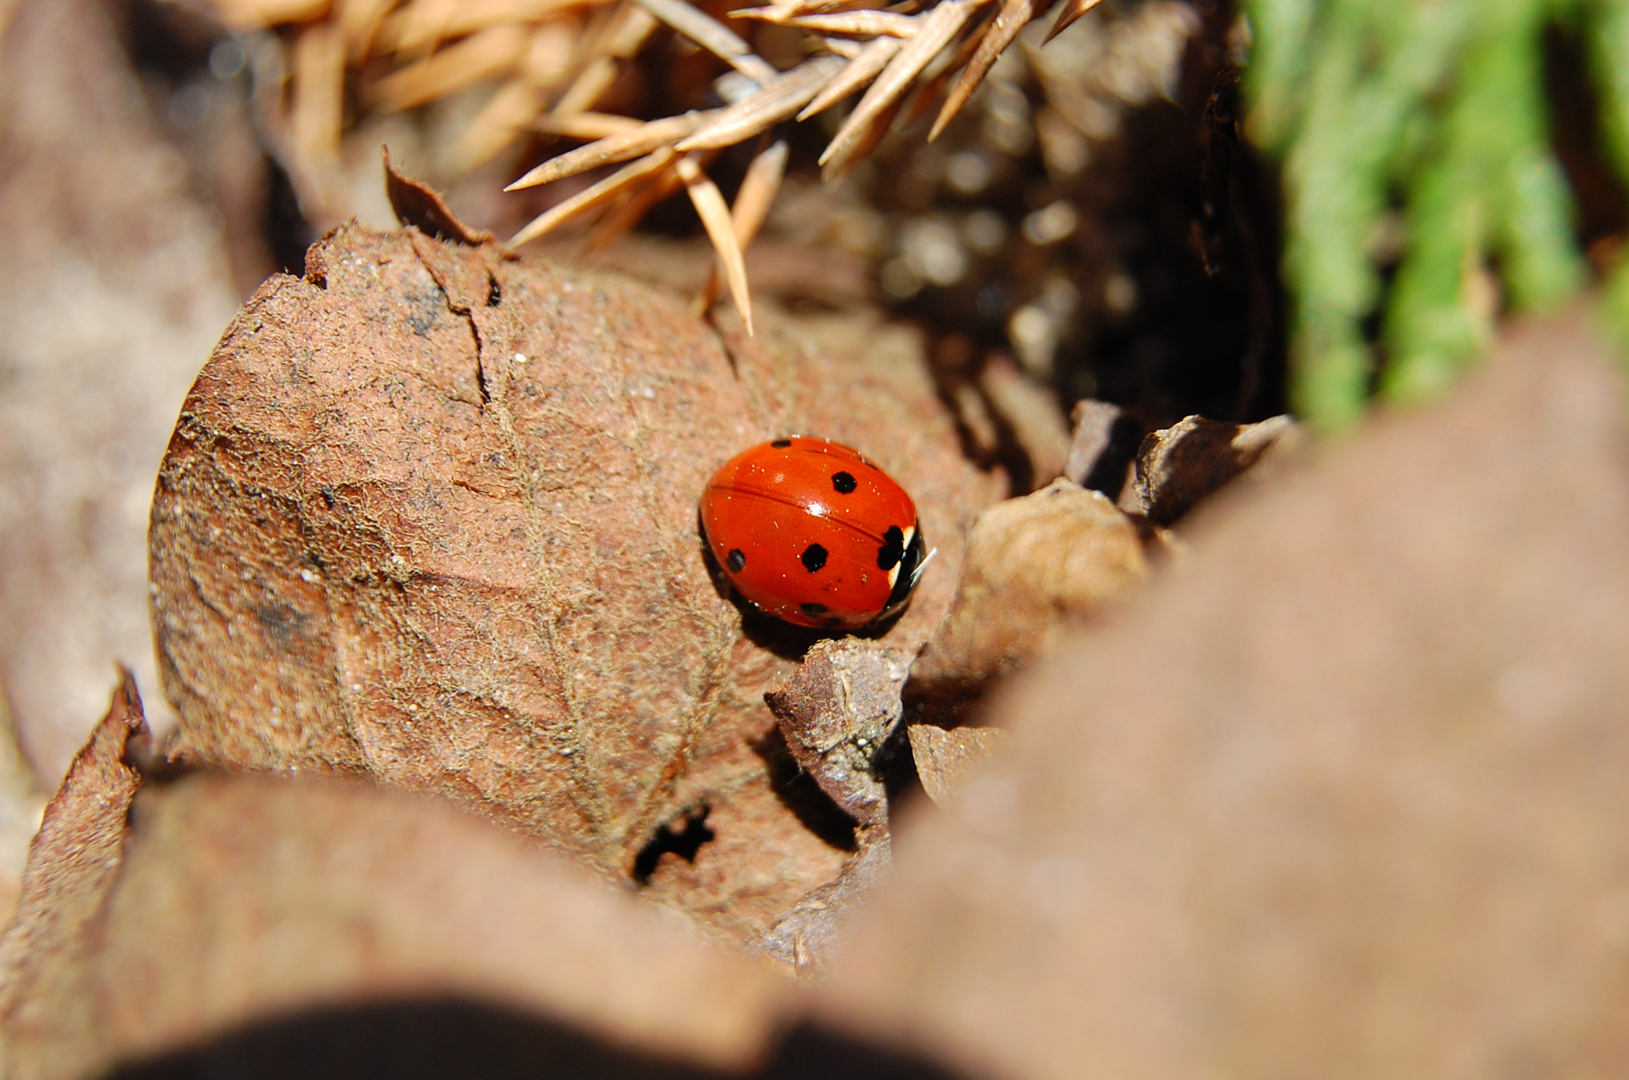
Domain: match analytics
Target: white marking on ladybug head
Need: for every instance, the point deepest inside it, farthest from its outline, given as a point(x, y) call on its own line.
point(893, 572)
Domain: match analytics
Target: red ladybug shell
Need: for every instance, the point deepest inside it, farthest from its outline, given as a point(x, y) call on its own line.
point(814, 533)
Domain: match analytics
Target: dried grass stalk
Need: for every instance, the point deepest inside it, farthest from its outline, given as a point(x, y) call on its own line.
point(595, 196)
point(399, 33)
point(939, 26)
point(1072, 10)
point(480, 56)
point(843, 47)
point(517, 104)
point(359, 22)
point(424, 23)
point(638, 140)
point(507, 114)
point(774, 103)
point(243, 15)
point(1013, 17)
point(860, 70)
point(319, 94)
point(862, 23)
point(589, 86)
point(585, 125)
point(715, 218)
point(713, 36)
point(625, 34)
point(758, 190)
point(616, 38)
point(752, 202)
point(840, 165)
point(621, 218)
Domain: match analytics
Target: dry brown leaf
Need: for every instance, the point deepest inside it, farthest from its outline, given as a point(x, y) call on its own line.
point(812, 933)
point(1178, 466)
point(946, 758)
point(1102, 447)
point(423, 207)
point(594, 196)
point(860, 70)
point(1013, 17)
point(837, 712)
point(715, 218)
point(713, 36)
point(480, 576)
point(47, 1007)
point(632, 141)
point(775, 102)
point(242, 900)
point(1345, 797)
point(477, 57)
point(1037, 567)
point(939, 27)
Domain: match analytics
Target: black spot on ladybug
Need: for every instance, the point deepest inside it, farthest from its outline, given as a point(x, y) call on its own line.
point(844, 483)
point(813, 609)
point(893, 548)
point(736, 560)
point(781, 444)
point(814, 557)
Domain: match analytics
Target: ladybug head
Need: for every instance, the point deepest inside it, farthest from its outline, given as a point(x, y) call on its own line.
point(906, 573)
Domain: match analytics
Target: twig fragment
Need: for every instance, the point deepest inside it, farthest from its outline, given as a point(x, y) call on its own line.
point(715, 218)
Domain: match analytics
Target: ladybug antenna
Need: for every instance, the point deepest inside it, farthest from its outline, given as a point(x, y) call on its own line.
point(916, 575)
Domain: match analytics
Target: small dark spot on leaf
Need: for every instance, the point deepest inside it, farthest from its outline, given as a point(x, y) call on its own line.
point(844, 482)
point(814, 557)
point(426, 309)
point(494, 292)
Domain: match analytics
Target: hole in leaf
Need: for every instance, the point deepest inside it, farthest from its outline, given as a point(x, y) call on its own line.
point(683, 837)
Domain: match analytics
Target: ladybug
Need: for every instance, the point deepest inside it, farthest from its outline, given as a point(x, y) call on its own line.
point(813, 532)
